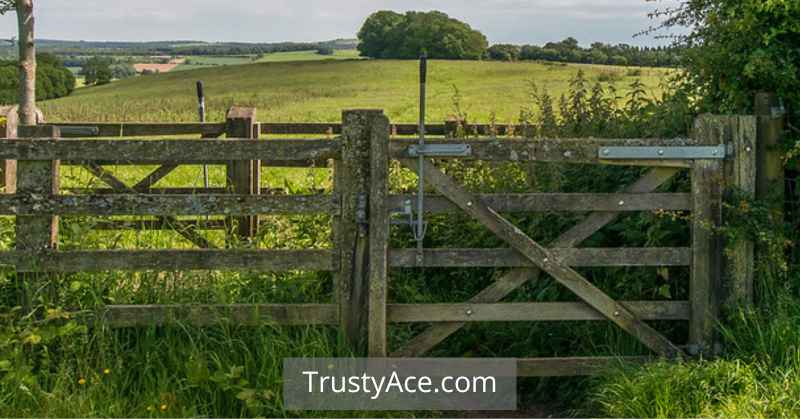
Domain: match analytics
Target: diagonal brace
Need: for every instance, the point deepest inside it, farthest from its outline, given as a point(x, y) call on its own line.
point(571, 279)
point(515, 278)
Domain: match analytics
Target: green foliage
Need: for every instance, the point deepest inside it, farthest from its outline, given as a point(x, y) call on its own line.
point(387, 34)
point(53, 80)
point(503, 52)
point(739, 47)
point(569, 51)
point(97, 71)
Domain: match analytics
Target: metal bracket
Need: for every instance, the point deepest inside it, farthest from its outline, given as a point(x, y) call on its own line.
point(440, 150)
point(79, 131)
point(718, 152)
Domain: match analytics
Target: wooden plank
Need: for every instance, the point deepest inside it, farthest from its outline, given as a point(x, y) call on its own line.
point(351, 184)
point(546, 202)
point(277, 128)
point(530, 312)
point(170, 260)
point(576, 366)
point(179, 191)
point(770, 168)
point(741, 257)
point(568, 150)
point(515, 278)
point(147, 129)
point(705, 273)
point(120, 316)
point(243, 177)
point(107, 177)
point(8, 129)
point(572, 280)
point(39, 179)
point(510, 258)
point(157, 151)
point(156, 175)
point(379, 226)
point(165, 205)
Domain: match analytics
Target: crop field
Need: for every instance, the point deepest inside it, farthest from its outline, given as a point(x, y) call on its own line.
point(317, 91)
point(204, 61)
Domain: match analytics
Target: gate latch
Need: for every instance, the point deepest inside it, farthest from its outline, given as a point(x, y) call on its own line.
point(718, 152)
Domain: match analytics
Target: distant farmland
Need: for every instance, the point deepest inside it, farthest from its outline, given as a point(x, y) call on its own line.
point(319, 90)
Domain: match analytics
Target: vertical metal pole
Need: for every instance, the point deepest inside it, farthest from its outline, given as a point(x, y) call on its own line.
point(201, 110)
point(419, 228)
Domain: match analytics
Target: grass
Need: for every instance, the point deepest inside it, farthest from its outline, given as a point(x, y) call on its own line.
point(227, 371)
point(204, 61)
point(319, 91)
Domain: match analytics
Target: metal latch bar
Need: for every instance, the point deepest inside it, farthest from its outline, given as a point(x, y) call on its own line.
point(663, 153)
point(440, 150)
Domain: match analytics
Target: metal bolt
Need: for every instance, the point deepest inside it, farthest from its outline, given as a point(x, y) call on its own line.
point(469, 203)
point(469, 312)
point(616, 313)
point(749, 149)
point(714, 153)
point(606, 152)
point(621, 203)
point(546, 260)
point(660, 152)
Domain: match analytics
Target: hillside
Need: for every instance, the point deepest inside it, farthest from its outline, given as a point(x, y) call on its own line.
point(318, 91)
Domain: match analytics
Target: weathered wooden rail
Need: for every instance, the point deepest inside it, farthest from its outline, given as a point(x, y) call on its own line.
point(360, 149)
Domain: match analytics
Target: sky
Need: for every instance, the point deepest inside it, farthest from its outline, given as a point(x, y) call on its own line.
point(502, 21)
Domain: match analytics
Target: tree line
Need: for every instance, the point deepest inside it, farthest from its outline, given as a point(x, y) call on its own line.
point(53, 80)
point(387, 34)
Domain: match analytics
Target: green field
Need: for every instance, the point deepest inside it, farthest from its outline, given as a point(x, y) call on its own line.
point(195, 62)
point(319, 91)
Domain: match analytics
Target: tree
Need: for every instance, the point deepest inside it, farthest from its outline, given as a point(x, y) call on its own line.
point(97, 71)
point(736, 48)
point(27, 58)
point(388, 34)
point(503, 52)
point(325, 50)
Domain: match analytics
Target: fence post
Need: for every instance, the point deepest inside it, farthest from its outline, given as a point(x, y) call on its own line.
point(707, 179)
point(36, 233)
point(351, 234)
point(8, 129)
point(243, 177)
point(379, 224)
point(770, 174)
point(741, 172)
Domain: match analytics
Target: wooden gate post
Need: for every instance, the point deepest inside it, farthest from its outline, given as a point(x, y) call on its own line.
point(36, 233)
point(379, 224)
point(243, 177)
point(8, 129)
point(351, 232)
point(707, 184)
point(771, 117)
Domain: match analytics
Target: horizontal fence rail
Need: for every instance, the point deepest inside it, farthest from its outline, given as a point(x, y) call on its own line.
point(170, 260)
point(144, 151)
point(510, 258)
point(166, 205)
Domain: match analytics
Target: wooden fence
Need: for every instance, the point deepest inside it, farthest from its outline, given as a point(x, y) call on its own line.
point(361, 148)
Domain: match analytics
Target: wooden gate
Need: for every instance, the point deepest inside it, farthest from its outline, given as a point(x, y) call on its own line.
point(361, 148)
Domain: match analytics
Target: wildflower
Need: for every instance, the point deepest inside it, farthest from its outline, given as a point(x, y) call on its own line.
point(149, 408)
point(107, 371)
point(163, 407)
point(82, 381)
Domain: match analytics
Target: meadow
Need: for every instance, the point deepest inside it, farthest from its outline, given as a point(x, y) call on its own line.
point(317, 91)
point(204, 61)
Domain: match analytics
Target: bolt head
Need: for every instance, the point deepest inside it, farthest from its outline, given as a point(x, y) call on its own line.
point(606, 152)
point(621, 203)
point(469, 204)
point(616, 313)
point(469, 312)
point(749, 149)
point(660, 152)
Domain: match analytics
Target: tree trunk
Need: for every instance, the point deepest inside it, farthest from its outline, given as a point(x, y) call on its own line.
point(27, 63)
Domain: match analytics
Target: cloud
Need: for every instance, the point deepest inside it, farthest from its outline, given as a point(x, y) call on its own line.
point(519, 21)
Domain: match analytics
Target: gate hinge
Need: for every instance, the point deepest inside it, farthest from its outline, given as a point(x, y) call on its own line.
point(440, 150)
point(665, 153)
